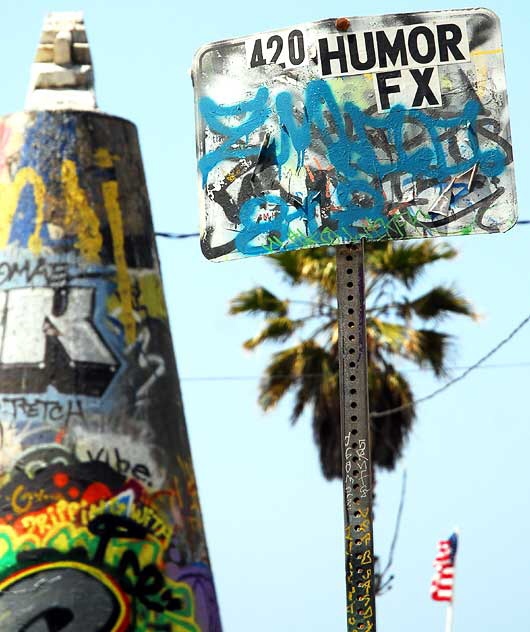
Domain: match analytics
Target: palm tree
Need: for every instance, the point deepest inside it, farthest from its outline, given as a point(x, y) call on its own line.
point(398, 326)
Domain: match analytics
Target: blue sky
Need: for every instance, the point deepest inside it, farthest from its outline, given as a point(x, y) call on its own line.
point(274, 525)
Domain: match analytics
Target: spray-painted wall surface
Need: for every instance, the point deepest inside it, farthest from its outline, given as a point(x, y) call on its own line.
point(100, 524)
point(397, 128)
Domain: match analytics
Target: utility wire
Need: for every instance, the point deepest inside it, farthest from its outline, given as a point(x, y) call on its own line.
point(177, 235)
point(456, 379)
point(186, 235)
point(246, 378)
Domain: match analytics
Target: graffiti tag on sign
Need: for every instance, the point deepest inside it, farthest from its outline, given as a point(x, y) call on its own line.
point(395, 129)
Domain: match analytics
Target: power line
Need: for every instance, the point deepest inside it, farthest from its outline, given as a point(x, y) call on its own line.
point(186, 235)
point(456, 379)
point(177, 235)
point(246, 378)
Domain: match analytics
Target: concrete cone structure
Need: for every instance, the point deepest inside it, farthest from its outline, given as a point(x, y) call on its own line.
point(100, 524)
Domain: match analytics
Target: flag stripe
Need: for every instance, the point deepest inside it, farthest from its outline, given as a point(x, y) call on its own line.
point(442, 582)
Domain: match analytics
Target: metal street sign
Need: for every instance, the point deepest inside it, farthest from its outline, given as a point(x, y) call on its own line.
point(337, 132)
point(396, 128)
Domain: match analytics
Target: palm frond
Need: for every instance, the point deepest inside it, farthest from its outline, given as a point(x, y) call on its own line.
point(289, 264)
point(326, 433)
point(437, 303)
point(316, 266)
point(279, 377)
point(427, 347)
point(258, 300)
point(322, 272)
point(276, 330)
point(386, 336)
point(405, 262)
point(315, 371)
point(388, 389)
point(424, 347)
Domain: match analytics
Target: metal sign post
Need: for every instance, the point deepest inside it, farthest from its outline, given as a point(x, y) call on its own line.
point(355, 435)
point(343, 131)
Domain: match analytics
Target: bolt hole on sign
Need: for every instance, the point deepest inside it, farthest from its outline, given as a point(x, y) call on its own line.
point(396, 128)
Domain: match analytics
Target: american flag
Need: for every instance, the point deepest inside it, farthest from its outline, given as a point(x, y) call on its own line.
point(444, 563)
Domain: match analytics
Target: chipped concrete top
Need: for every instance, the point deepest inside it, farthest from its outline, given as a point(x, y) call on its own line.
point(62, 77)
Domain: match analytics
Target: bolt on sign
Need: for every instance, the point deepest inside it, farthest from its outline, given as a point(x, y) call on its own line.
point(396, 128)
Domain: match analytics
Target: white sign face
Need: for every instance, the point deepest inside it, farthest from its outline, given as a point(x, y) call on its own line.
point(396, 128)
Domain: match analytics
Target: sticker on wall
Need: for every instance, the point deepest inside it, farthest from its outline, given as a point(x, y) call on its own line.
point(395, 128)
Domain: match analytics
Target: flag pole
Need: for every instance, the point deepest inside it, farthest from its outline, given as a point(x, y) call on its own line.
point(449, 618)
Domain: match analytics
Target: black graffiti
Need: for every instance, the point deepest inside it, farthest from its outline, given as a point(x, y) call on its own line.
point(116, 460)
point(54, 619)
point(481, 206)
point(482, 26)
point(148, 581)
point(48, 273)
point(44, 410)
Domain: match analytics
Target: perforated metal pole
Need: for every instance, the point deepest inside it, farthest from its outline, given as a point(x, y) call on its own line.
point(355, 434)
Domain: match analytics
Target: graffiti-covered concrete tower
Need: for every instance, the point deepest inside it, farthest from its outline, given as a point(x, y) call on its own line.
point(100, 525)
